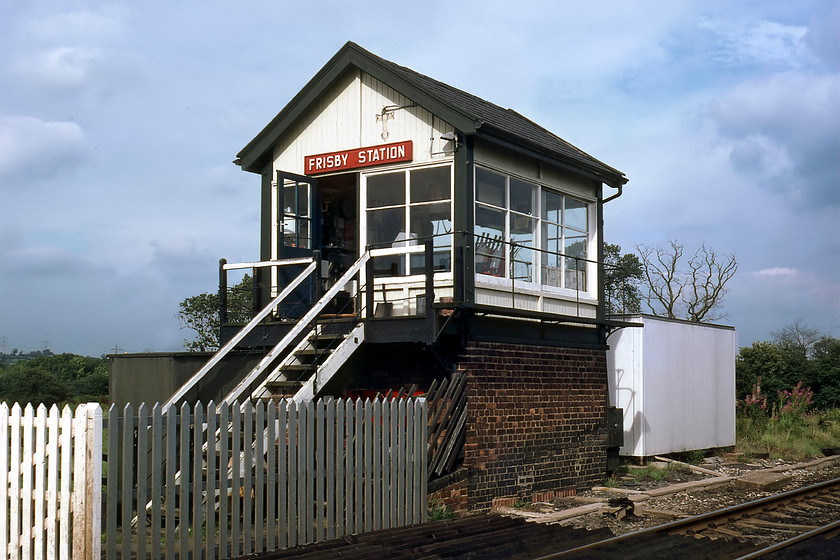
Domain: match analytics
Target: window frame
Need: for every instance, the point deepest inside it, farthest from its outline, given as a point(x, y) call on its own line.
point(412, 258)
point(539, 244)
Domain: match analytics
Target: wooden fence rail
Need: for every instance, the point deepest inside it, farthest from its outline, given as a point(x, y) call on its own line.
point(207, 481)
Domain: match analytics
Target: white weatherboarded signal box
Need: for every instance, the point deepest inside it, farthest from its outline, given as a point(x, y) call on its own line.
point(675, 382)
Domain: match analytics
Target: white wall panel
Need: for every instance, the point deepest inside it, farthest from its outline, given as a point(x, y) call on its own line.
point(675, 381)
point(346, 117)
point(501, 297)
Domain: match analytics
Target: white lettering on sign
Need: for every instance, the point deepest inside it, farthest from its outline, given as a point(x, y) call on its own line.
point(360, 157)
point(385, 153)
point(326, 163)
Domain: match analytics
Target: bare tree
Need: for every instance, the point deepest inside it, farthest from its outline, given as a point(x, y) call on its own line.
point(693, 289)
point(797, 337)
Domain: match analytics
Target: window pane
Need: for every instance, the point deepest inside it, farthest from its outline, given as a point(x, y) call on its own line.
point(296, 199)
point(289, 228)
point(490, 187)
point(522, 197)
point(575, 215)
point(575, 267)
point(552, 263)
point(303, 234)
point(489, 245)
point(303, 199)
point(430, 184)
point(383, 226)
point(522, 237)
point(432, 220)
point(387, 189)
point(552, 203)
point(296, 232)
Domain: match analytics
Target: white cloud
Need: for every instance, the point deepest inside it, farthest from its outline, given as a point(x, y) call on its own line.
point(822, 38)
point(785, 127)
point(48, 261)
point(76, 26)
point(39, 148)
point(62, 67)
point(762, 42)
point(779, 271)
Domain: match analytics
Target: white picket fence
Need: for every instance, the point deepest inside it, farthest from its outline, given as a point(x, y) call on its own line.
point(206, 481)
point(50, 496)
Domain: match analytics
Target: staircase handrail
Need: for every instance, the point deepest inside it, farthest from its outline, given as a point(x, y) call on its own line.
point(296, 331)
point(231, 344)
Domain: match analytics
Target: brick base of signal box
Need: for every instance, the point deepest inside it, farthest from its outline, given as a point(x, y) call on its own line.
point(536, 425)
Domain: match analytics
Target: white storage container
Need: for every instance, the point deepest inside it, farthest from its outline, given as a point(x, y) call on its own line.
point(675, 381)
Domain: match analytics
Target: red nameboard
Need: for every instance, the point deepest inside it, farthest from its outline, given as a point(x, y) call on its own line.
point(358, 157)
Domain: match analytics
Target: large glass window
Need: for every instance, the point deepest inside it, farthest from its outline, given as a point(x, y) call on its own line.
point(405, 208)
point(520, 225)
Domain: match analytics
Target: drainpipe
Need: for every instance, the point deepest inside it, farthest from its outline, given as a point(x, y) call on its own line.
point(616, 195)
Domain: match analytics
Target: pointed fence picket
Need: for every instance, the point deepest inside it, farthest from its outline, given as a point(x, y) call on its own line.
point(237, 480)
point(208, 482)
point(50, 493)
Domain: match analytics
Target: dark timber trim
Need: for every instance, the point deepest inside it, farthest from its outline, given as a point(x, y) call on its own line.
point(468, 114)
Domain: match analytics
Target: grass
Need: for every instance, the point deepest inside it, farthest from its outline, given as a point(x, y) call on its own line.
point(649, 472)
point(439, 511)
point(791, 437)
point(612, 482)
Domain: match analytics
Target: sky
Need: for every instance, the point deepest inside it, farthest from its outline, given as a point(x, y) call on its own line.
point(119, 122)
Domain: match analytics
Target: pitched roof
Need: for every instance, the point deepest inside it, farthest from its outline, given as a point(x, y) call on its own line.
point(466, 112)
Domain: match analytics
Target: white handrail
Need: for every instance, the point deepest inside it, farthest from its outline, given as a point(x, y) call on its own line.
point(387, 251)
point(223, 351)
point(302, 323)
point(263, 264)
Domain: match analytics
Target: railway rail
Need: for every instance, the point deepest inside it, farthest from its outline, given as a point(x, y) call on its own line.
point(801, 523)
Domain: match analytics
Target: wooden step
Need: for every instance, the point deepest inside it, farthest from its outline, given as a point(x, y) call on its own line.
point(313, 353)
point(297, 368)
point(284, 385)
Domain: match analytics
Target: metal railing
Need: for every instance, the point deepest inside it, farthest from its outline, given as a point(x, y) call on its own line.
point(574, 275)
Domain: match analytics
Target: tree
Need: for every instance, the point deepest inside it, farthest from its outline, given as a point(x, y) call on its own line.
point(825, 353)
point(768, 363)
point(622, 275)
point(25, 383)
point(797, 337)
point(798, 354)
point(51, 379)
point(201, 314)
point(690, 289)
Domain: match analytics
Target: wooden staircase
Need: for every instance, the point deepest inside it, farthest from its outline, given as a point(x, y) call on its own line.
point(314, 361)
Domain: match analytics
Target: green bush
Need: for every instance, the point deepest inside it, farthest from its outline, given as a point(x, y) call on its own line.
point(25, 383)
point(54, 379)
point(794, 437)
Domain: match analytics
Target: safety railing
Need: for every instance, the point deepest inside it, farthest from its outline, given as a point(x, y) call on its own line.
point(231, 344)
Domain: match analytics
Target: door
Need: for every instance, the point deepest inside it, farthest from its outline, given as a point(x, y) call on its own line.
point(297, 234)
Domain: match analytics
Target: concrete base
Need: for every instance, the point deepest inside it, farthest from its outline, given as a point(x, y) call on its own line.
point(764, 481)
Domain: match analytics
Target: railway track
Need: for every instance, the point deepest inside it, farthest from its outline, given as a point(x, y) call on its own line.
point(801, 523)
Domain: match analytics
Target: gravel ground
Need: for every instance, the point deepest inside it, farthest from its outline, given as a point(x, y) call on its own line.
point(685, 503)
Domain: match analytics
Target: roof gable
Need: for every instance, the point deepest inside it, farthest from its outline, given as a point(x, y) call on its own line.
point(466, 112)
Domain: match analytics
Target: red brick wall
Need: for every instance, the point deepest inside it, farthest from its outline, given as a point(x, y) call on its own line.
point(451, 492)
point(536, 423)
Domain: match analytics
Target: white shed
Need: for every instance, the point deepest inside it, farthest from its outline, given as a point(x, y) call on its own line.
point(675, 381)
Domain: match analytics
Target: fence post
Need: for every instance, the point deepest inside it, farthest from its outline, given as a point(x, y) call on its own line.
point(87, 482)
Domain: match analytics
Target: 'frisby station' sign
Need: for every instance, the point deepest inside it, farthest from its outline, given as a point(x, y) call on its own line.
point(358, 157)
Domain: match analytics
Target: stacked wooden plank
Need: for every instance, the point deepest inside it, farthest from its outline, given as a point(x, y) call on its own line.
point(447, 404)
